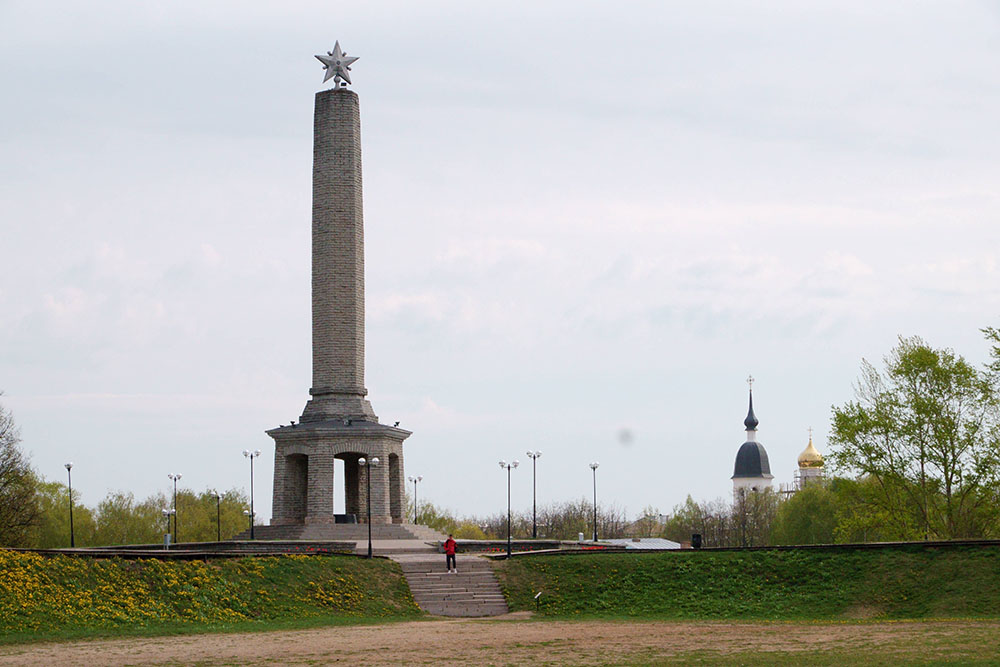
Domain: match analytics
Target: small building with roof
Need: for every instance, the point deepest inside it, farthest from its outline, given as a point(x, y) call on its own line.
point(645, 543)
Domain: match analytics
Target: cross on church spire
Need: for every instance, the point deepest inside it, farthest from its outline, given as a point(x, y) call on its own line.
point(750, 381)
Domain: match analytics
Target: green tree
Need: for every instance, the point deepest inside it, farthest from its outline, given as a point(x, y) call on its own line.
point(685, 520)
point(121, 520)
point(712, 520)
point(199, 514)
point(648, 524)
point(752, 517)
point(925, 432)
point(437, 518)
point(808, 517)
point(467, 530)
point(862, 517)
point(52, 530)
point(19, 510)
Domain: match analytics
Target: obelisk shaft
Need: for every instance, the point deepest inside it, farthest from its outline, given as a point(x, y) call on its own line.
point(338, 262)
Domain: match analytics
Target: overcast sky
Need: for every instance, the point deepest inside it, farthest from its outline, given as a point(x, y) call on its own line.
point(582, 219)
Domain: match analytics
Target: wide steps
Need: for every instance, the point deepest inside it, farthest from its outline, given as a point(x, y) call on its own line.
point(466, 610)
point(472, 591)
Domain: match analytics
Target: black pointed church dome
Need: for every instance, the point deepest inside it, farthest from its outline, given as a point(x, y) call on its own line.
point(751, 461)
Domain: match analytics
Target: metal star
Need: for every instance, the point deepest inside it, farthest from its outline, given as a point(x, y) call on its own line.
point(337, 65)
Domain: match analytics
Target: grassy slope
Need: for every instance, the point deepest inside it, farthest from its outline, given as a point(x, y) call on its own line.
point(63, 597)
point(907, 583)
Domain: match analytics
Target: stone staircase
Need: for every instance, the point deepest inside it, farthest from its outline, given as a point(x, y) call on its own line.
point(473, 591)
point(344, 532)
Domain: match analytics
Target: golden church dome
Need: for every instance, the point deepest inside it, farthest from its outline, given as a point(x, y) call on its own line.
point(810, 457)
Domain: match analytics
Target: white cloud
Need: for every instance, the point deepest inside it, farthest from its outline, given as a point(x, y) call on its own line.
point(558, 242)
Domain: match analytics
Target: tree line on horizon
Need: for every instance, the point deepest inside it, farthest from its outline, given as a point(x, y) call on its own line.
point(916, 456)
point(35, 512)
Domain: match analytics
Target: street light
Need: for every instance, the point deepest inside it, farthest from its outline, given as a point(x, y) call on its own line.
point(416, 479)
point(534, 511)
point(250, 455)
point(368, 465)
point(594, 466)
point(175, 477)
point(508, 466)
point(218, 516)
point(69, 473)
point(249, 515)
point(166, 515)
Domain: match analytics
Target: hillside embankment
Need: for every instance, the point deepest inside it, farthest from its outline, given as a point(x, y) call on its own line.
point(62, 597)
point(911, 582)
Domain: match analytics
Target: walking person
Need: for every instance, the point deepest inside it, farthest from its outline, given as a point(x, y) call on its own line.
point(449, 555)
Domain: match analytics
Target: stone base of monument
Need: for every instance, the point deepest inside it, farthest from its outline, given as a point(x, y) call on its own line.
point(304, 483)
point(344, 532)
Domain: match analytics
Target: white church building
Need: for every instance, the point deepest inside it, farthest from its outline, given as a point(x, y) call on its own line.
point(752, 470)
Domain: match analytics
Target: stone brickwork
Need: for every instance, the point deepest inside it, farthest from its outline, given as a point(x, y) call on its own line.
point(338, 262)
point(319, 444)
point(338, 421)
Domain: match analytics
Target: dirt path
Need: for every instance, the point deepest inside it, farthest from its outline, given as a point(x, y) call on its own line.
point(515, 639)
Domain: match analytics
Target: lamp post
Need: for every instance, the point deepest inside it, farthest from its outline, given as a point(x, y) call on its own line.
point(218, 516)
point(249, 515)
point(508, 466)
point(175, 477)
point(251, 455)
point(594, 466)
point(368, 465)
point(416, 479)
point(69, 473)
point(534, 510)
point(166, 515)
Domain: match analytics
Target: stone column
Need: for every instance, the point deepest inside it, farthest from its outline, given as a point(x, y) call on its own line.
point(380, 492)
point(338, 262)
point(279, 508)
point(319, 490)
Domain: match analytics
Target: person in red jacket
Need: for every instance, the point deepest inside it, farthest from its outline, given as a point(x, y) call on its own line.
point(449, 555)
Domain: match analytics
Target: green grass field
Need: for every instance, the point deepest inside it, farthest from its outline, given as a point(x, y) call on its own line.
point(62, 597)
point(908, 583)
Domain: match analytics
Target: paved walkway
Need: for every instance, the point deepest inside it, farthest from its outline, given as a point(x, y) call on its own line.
point(394, 547)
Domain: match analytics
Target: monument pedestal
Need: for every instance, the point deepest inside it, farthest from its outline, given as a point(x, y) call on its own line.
point(304, 457)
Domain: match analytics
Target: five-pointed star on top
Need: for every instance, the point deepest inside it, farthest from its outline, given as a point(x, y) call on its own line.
point(336, 63)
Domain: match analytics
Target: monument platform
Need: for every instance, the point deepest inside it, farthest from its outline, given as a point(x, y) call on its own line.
point(345, 532)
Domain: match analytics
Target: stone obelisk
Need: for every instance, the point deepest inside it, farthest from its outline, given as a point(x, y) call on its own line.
point(338, 421)
point(338, 262)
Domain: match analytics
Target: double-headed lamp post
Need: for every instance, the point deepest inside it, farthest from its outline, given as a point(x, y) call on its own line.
point(534, 509)
point(368, 465)
point(174, 477)
point(594, 466)
point(508, 467)
point(250, 455)
point(69, 473)
point(416, 479)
